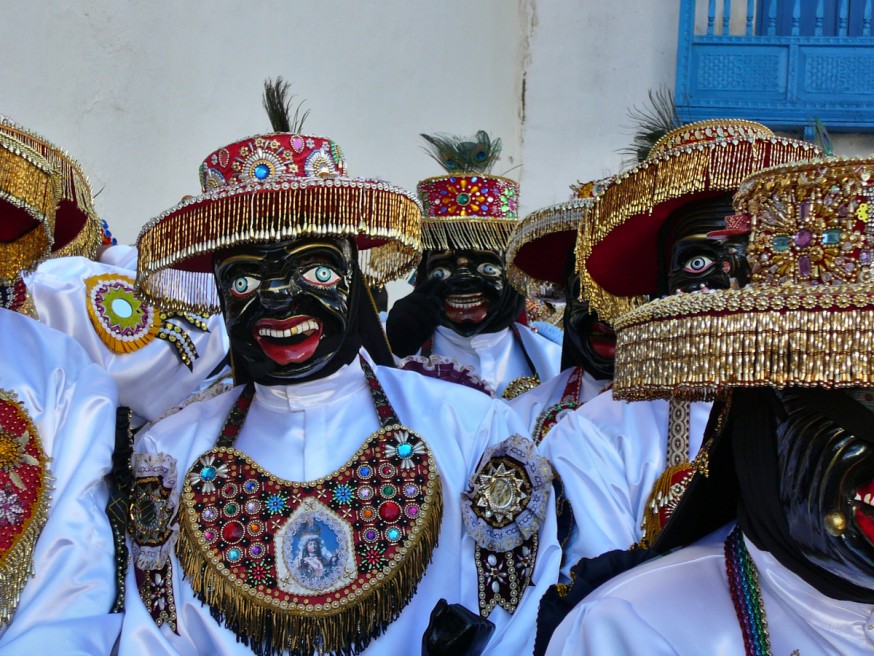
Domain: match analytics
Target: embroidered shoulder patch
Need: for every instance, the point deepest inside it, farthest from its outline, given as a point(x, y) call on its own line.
point(123, 322)
point(154, 529)
point(25, 487)
point(503, 508)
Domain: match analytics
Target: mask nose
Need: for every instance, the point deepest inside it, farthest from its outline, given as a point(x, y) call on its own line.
point(277, 293)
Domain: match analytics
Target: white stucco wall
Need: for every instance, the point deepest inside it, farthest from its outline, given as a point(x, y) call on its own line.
point(139, 92)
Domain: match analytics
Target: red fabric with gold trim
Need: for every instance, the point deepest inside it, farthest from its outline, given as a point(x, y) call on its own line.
point(469, 195)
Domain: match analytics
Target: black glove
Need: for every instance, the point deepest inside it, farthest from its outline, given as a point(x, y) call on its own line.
point(413, 318)
point(455, 631)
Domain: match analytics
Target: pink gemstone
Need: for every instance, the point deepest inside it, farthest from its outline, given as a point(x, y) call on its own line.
point(209, 536)
point(804, 266)
point(803, 238)
point(805, 210)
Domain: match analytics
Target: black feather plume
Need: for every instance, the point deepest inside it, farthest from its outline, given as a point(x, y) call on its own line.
point(651, 123)
point(475, 154)
point(277, 102)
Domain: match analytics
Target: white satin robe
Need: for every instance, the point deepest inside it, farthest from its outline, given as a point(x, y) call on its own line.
point(681, 604)
point(306, 431)
point(150, 380)
point(530, 405)
point(498, 357)
point(609, 455)
point(64, 608)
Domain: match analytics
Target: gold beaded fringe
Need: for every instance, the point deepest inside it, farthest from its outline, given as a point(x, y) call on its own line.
point(271, 213)
point(783, 339)
point(74, 187)
point(467, 232)
point(345, 629)
point(710, 166)
point(26, 182)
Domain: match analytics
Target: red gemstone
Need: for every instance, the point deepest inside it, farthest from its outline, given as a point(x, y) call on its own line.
point(232, 532)
point(389, 511)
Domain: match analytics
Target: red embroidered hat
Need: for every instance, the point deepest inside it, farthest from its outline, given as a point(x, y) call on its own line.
point(28, 196)
point(268, 188)
point(806, 319)
point(694, 162)
point(540, 244)
point(78, 230)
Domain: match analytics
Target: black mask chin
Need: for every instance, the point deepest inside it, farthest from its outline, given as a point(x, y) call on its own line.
point(588, 342)
point(692, 261)
point(289, 308)
point(472, 289)
point(827, 473)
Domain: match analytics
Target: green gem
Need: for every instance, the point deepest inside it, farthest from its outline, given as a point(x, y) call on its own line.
point(463, 199)
point(231, 509)
point(780, 243)
point(831, 237)
point(388, 490)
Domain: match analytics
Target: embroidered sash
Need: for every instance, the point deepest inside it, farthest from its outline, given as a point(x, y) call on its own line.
point(320, 566)
point(570, 400)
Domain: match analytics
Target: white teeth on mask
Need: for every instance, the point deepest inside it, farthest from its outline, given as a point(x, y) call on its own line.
point(305, 327)
point(465, 301)
point(867, 499)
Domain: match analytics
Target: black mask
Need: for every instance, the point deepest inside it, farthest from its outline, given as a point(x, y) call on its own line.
point(696, 262)
point(826, 475)
point(588, 342)
point(473, 290)
point(286, 307)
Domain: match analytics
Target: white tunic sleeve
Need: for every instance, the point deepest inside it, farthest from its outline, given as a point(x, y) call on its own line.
point(71, 401)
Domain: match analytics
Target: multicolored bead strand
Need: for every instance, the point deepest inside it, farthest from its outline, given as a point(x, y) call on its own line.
point(743, 581)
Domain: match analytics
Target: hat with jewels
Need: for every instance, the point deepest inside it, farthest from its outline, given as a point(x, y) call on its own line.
point(29, 189)
point(689, 164)
point(539, 244)
point(78, 230)
point(266, 188)
point(806, 319)
point(468, 208)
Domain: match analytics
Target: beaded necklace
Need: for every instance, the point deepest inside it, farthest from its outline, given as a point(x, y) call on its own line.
point(743, 582)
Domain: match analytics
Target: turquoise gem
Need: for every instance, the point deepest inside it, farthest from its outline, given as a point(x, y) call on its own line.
point(234, 554)
point(261, 171)
point(405, 450)
point(393, 534)
point(781, 243)
point(463, 199)
point(831, 237)
point(208, 474)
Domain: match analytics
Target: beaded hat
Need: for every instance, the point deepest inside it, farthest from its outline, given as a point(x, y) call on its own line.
point(269, 188)
point(691, 163)
point(539, 244)
point(469, 208)
point(29, 191)
point(806, 319)
point(78, 230)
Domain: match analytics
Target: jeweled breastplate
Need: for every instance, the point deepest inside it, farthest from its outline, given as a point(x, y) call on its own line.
point(320, 566)
point(25, 486)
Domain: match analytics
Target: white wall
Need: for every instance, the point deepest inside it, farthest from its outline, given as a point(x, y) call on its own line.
point(139, 92)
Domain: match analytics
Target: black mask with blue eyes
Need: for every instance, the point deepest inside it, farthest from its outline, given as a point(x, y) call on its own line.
point(287, 308)
point(472, 289)
point(695, 259)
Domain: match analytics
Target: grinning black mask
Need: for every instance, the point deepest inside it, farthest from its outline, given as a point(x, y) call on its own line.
point(827, 483)
point(692, 260)
point(288, 308)
point(588, 342)
point(472, 289)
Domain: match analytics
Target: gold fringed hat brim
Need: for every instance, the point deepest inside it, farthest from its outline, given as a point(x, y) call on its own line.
point(617, 251)
point(175, 249)
point(540, 245)
point(695, 345)
point(466, 232)
point(78, 230)
point(29, 187)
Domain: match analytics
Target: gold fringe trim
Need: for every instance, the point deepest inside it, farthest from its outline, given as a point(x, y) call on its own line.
point(74, 187)
point(563, 217)
point(272, 627)
point(652, 524)
point(16, 564)
point(718, 165)
point(692, 346)
point(388, 217)
point(478, 233)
